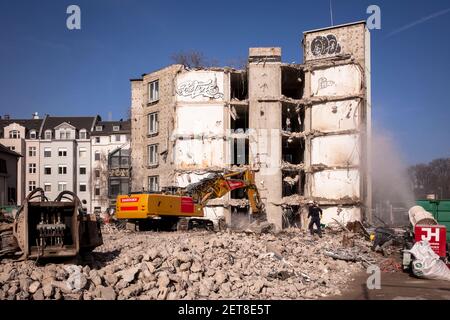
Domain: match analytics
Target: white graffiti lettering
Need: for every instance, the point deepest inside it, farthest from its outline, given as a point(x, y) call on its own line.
point(195, 88)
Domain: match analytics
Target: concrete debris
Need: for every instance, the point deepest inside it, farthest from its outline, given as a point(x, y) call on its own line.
point(294, 134)
point(352, 254)
point(238, 202)
point(39, 295)
point(256, 264)
point(291, 181)
point(260, 227)
point(128, 274)
point(390, 265)
point(286, 166)
point(33, 287)
point(293, 200)
point(357, 226)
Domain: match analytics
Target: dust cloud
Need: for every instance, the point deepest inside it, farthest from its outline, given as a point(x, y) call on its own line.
point(240, 221)
point(390, 181)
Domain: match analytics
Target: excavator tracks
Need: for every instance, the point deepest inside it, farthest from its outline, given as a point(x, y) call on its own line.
point(183, 224)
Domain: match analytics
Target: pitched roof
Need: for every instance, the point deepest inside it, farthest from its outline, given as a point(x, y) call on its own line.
point(7, 150)
point(108, 127)
point(78, 122)
point(29, 124)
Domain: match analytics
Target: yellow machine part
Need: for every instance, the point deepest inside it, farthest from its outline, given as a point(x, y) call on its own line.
point(143, 206)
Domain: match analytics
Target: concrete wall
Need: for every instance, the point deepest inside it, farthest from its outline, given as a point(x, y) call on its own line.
point(338, 155)
point(340, 40)
point(200, 128)
point(336, 81)
point(336, 150)
point(336, 184)
point(140, 139)
point(200, 131)
point(341, 214)
point(336, 116)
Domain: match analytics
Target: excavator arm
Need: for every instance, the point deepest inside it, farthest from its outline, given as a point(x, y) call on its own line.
point(217, 185)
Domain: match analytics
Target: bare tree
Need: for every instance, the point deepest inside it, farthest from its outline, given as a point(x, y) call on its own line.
point(196, 59)
point(190, 59)
point(431, 178)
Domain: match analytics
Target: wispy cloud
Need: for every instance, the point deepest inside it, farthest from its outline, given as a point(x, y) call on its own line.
point(415, 23)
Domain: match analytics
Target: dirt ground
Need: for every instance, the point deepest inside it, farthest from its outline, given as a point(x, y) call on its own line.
point(396, 286)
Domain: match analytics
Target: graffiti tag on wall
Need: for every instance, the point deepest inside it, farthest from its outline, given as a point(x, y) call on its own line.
point(195, 88)
point(322, 45)
point(325, 83)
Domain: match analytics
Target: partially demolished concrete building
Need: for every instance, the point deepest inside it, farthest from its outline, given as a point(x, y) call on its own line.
point(304, 128)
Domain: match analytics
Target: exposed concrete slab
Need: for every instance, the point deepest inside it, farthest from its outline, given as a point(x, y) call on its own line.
point(335, 116)
point(336, 150)
point(341, 214)
point(336, 81)
point(336, 184)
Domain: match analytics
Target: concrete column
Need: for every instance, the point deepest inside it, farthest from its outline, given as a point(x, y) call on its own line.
point(137, 143)
point(307, 153)
point(265, 122)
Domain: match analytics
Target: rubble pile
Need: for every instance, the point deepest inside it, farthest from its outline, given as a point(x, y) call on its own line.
point(192, 265)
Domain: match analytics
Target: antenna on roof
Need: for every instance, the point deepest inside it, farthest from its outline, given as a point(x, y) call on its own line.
point(109, 116)
point(331, 13)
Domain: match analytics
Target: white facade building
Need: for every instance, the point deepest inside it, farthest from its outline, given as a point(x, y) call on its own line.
point(106, 137)
point(64, 152)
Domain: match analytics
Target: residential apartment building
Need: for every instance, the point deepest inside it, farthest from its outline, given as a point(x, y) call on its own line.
point(110, 165)
point(303, 128)
point(61, 153)
point(8, 176)
point(65, 155)
point(21, 136)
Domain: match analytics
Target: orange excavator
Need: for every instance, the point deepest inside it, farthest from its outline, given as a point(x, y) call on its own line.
point(183, 208)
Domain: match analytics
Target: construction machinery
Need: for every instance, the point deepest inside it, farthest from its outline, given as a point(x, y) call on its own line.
point(50, 229)
point(183, 208)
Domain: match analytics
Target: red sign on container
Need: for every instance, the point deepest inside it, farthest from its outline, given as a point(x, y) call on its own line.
point(435, 235)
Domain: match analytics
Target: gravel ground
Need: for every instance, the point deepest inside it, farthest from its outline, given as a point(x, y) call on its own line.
point(192, 265)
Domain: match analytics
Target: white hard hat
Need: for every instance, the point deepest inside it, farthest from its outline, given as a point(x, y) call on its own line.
point(310, 202)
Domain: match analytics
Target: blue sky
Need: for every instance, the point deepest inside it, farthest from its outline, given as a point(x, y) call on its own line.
point(47, 68)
